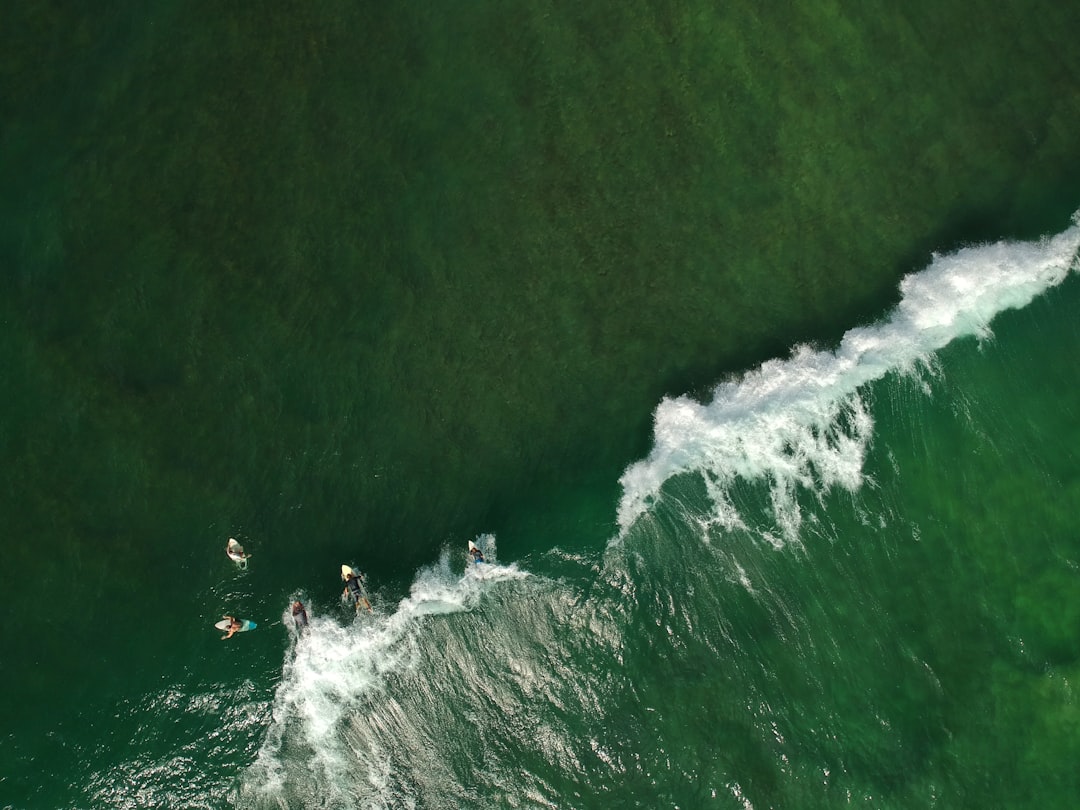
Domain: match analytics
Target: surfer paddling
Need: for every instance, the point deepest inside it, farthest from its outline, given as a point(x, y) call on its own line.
point(235, 626)
point(354, 588)
point(299, 615)
point(236, 553)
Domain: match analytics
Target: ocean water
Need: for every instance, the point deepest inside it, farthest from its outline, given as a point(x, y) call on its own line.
point(742, 339)
point(850, 576)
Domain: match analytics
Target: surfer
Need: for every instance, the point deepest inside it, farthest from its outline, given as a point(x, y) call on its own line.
point(299, 614)
point(236, 553)
point(354, 589)
point(235, 625)
point(477, 554)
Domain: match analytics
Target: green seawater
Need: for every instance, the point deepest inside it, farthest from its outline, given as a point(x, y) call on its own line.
point(355, 284)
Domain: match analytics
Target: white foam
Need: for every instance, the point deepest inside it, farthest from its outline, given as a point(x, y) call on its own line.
point(800, 422)
point(334, 670)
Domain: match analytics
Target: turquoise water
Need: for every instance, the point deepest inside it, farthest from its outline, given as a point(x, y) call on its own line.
point(616, 289)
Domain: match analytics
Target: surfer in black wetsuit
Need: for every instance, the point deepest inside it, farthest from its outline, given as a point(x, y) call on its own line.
point(477, 554)
point(299, 614)
point(354, 589)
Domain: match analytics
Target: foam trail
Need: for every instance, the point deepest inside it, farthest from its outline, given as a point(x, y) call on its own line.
point(316, 753)
point(800, 422)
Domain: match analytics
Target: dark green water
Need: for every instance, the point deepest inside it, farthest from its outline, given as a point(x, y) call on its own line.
point(353, 284)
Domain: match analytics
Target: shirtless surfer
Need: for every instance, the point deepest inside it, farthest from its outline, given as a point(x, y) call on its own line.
point(236, 553)
point(235, 625)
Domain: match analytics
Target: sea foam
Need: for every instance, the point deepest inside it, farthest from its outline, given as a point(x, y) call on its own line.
point(800, 422)
point(316, 752)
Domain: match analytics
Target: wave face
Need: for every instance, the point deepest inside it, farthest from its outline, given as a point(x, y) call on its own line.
point(366, 712)
point(822, 579)
point(801, 423)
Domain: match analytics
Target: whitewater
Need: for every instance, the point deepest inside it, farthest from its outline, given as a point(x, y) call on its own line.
point(514, 686)
point(800, 422)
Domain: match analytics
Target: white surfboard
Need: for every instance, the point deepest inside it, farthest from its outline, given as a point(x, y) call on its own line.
point(235, 552)
point(473, 556)
point(245, 625)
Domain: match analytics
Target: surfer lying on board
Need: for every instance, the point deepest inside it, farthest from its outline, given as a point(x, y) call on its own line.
point(477, 554)
point(236, 553)
point(299, 614)
point(234, 627)
point(354, 590)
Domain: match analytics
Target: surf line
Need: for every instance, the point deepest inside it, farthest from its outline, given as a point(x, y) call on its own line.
point(799, 422)
point(334, 668)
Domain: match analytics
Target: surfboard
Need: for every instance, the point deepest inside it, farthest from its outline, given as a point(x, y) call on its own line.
point(474, 558)
point(235, 552)
point(245, 625)
point(299, 617)
point(345, 572)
